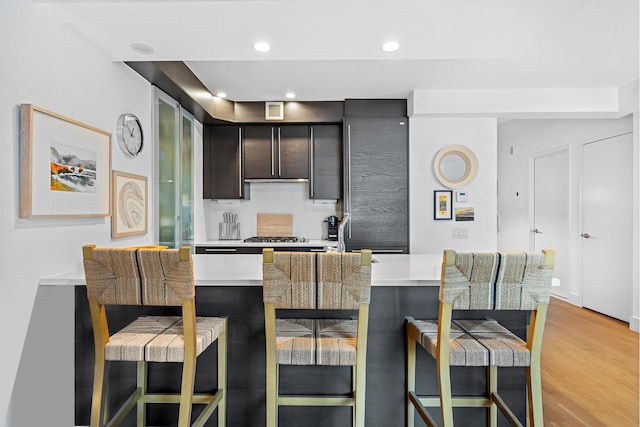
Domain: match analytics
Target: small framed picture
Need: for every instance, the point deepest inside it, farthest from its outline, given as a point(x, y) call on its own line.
point(465, 214)
point(442, 204)
point(129, 205)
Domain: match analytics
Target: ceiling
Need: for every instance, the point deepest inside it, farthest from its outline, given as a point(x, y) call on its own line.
point(329, 50)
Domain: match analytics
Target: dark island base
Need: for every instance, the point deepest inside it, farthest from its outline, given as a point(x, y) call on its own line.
point(246, 364)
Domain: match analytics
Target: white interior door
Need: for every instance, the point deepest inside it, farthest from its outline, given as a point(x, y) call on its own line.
point(551, 226)
point(607, 193)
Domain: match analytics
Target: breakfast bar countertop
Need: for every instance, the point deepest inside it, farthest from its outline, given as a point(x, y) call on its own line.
point(246, 270)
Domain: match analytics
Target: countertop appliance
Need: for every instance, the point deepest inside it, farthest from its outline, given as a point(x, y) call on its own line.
point(332, 228)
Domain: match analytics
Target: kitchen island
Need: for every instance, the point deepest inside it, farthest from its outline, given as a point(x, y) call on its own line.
point(230, 285)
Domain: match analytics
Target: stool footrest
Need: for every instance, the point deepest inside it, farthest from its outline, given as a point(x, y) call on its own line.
point(175, 398)
point(460, 401)
point(313, 400)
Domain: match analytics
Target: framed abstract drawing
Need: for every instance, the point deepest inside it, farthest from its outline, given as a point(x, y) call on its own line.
point(130, 205)
point(442, 204)
point(65, 166)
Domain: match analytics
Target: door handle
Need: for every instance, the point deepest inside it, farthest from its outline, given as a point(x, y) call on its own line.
point(535, 230)
point(348, 210)
point(311, 162)
point(586, 235)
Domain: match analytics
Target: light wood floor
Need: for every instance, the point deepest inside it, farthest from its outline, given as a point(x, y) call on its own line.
point(589, 369)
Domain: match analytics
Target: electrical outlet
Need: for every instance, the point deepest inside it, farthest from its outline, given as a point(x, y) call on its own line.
point(459, 233)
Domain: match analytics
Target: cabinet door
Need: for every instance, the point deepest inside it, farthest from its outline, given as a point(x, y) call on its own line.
point(225, 162)
point(274, 152)
point(292, 152)
point(260, 152)
point(376, 183)
point(325, 177)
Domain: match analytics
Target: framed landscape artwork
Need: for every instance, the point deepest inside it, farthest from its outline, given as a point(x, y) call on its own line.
point(65, 166)
point(129, 205)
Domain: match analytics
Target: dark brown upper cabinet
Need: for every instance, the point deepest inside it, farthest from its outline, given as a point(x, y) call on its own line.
point(325, 162)
point(276, 152)
point(222, 171)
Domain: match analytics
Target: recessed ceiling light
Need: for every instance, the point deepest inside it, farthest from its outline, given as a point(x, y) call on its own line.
point(221, 95)
point(290, 95)
point(262, 47)
point(390, 46)
point(142, 48)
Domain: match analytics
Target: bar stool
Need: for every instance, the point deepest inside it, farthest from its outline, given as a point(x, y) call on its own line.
point(151, 276)
point(320, 282)
point(482, 281)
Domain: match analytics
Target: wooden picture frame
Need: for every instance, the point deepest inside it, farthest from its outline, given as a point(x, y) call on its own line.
point(65, 166)
point(130, 204)
point(442, 205)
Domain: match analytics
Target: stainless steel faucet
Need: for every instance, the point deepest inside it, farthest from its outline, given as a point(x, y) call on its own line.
point(341, 246)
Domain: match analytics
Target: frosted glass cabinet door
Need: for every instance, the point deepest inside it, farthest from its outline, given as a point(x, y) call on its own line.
point(174, 129)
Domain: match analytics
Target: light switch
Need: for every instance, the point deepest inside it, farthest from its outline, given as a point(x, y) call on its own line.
point(459, 233)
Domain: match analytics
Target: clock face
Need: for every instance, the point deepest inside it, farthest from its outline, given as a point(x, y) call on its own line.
point(129, 133)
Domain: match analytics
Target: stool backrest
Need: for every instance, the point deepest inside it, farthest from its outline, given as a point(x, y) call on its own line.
point(496, 280)
point(138, 275)
point(309, 280)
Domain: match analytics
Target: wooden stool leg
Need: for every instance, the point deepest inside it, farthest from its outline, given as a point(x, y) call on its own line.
point(534, 395)
point(410, 379)
point(142, 371)
point(360, 394)
point(353, 393)
point(222, 376)
point(272, 393)
point(492, 387)
point(186, 393)
point(446, 404)
point(99, 400)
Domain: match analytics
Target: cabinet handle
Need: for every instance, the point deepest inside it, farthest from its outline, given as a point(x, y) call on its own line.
point(311, 144)
point(279, 163)
point(220, 250)
point(240, 186)
point(349, 175)
point(272, 159)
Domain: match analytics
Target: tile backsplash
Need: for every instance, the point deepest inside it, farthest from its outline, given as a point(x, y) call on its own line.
point(270, 197)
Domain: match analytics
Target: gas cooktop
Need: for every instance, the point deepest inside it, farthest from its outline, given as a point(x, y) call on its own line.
point(271, 239)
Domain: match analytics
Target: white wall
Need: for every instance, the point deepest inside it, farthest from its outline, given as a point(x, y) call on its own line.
point(267, 197)
point(52, 67)
point(427, 136)
point(527, 138)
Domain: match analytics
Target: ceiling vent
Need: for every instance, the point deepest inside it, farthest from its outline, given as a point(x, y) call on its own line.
point(274, 110)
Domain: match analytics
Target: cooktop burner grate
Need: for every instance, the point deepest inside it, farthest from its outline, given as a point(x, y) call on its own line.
point(271, 239)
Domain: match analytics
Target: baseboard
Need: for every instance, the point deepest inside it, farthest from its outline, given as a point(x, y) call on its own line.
point(634, 323)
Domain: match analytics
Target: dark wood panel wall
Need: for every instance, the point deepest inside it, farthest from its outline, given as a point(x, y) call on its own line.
point(385, 398)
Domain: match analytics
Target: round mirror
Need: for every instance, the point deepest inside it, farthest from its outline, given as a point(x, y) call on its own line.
point(456, 166)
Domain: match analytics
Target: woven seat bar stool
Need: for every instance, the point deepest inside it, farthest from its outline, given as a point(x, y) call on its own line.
point(482, 281)
point(151, 276)
point(316, 281)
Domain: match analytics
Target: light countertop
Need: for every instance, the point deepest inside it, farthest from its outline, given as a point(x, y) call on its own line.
point(246, 270)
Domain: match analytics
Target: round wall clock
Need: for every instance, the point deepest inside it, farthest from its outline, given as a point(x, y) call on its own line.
point(129, 134)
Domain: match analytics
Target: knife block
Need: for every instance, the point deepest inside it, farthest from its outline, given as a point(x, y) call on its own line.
point(229, 231)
